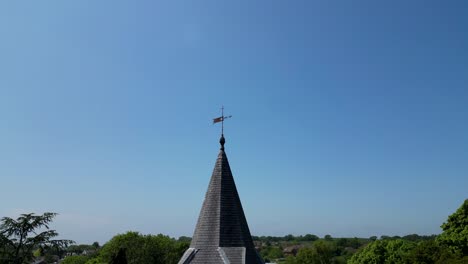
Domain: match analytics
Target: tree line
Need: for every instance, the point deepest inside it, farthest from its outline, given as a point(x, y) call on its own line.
point(28, 238)
point(451, 246)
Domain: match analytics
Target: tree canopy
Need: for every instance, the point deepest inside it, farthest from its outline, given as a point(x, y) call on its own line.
point(133, 247)
point(75, 260)
point(19, 237)
point(455, 230)
point(449, 247)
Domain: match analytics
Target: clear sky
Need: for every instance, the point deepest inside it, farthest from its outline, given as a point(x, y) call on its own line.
point(349, 117)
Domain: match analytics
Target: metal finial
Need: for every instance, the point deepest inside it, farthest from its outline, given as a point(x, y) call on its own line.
point(221, 119)
point(222, 141)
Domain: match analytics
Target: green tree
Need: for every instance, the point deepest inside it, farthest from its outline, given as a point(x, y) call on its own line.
point(120, 258)
point(290, 260)
point(143, 249)
point(184, 239)
point(307, 237)
point(95, 260)
point(96, 245)
point(383, 251)
point(325, 251)
point(306, 256)
point(373, 253)
point(79, 249)
point(429, 251)
point(271, 253)
point(398, 250)
point(455, 231)
point(20, 237)
point(75, 260)
point(322, 252)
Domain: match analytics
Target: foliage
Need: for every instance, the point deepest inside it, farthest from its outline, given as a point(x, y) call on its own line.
point(75, 260)
point(455, 231)
point(185, 239)
point(95, 260)
point(308, 237)
point(449, 247)
point(120, 258)
point(347, 242)
point(325, 251)
point(287, 238)
point(143, 249)
point(20, 237)
point(305, 256)
point(429, 251)
point(383, 251)
point(80, 249)
point(401, 251)
point(271, 253)
point(322, 252)
point(398, 250)
point(416, 237)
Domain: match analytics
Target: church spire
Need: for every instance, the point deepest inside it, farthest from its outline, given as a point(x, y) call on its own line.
point(222, 234)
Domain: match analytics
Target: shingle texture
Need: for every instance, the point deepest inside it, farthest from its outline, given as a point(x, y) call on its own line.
point(222, 234)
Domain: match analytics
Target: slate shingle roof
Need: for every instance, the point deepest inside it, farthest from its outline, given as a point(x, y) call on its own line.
point(222, 234)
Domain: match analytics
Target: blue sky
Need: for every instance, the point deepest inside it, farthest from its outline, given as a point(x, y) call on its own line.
point(349, 117)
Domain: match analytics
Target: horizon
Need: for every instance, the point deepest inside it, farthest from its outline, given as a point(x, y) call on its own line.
point(349, 119)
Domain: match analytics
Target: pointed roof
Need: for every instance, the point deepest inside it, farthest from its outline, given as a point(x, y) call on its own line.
point(222, 234)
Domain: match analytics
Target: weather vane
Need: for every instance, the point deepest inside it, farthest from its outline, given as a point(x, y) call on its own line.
point(221, 119)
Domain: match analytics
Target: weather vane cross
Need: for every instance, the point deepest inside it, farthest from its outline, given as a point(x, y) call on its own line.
point(221, 119)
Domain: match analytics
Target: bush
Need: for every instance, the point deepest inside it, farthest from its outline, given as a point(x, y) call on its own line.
point(75, 260)
point(144, 249)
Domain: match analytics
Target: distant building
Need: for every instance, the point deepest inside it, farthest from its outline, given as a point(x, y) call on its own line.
point(88, 252)
point(222, 235)
point(291, 250)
